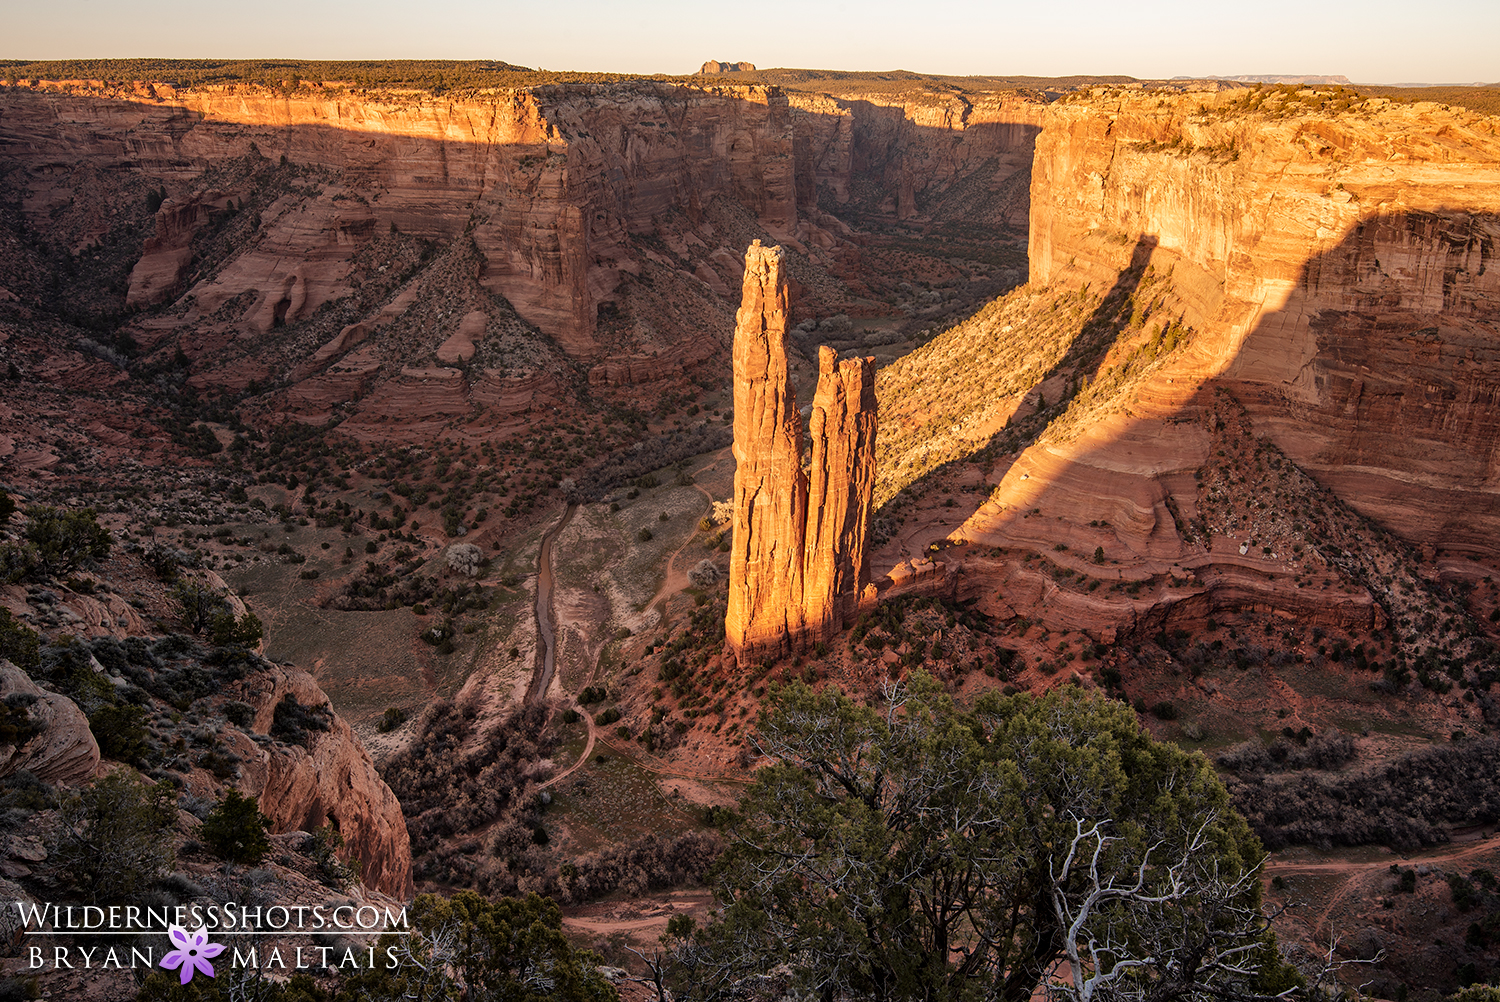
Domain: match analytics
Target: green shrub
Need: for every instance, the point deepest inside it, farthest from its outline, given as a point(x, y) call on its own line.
point(65, 540)
point(121, 732)
point(1164, 711)
point(17, 562)
point(16, 725)
point(245, 631)
point(19, 644)
point(327, 840)
point(200, 605)
point(392, 718)
point(292, 722)
point(235, 830)
point(111, 839)
point(608, 716)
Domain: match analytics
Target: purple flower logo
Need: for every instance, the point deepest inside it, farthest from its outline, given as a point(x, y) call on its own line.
point(193, 952)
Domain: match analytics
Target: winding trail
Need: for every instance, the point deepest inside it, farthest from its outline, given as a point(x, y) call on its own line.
point(588, 750)
point(675, 580)
point(546, 651)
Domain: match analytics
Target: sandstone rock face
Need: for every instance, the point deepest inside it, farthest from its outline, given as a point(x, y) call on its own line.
point(65, 751)
point(333, 779)
point(841, 488)
point(550, 181)
point(770, 490)
point(1344, 269)
point(962, 157)
point(799, 556)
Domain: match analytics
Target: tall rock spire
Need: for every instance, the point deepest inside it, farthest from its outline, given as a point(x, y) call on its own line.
point(800, 551)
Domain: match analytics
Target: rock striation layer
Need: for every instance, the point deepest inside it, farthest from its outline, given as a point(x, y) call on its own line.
point(64, 750)
point(1341, 262)
point(800, 557)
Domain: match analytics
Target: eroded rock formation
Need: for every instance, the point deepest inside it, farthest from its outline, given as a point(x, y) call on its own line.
point(331, 779)
point(800, 553)
point(63, 750)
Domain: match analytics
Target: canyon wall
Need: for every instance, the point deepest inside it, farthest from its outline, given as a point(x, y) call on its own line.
point(1340, 261)
point(550, 182)
point(799, 558)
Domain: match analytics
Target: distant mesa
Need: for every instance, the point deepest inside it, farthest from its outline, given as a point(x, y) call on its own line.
point(714, 66)
point(1279, 78)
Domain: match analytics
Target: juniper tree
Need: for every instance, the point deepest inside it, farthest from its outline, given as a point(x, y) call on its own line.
point(917, 851)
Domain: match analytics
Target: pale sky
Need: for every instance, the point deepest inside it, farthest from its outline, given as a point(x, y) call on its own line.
point(1373, 41)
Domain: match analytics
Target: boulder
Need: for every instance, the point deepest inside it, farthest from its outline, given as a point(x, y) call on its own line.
point(65, 750)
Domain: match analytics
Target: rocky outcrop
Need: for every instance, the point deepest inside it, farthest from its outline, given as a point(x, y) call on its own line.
point(64, 749)
point(714, 66)
point(799, 555)
point(331, 779)
point(1341, 263)
point(770, 490)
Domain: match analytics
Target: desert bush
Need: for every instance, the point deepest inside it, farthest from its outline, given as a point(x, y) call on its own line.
point(1409, 802)
point(17, 562)
point(19, 644)
point(1328, 750)
point(326, 843)
point(120, 732)
point(164, 562)
point(293, 723)
point(67, 666)
point(648, 864)
point(392, 718)
point(456, 778)
point(242, 631)
point(465, 558)
point(705, 574)
point(652, 454)
point(21, 795)
point(199, 603)
point(235, 830)
point(16, 724)
point(111, 839)
point(65, 540)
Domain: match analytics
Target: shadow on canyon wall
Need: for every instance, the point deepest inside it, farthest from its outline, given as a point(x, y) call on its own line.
point(563, 191)
point(1379, 376)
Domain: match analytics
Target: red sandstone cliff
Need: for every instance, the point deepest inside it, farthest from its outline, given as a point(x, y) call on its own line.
point(333, 780)
point(1341, 263)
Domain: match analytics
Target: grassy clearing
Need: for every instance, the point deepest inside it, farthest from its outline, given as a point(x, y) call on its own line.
point(611, 802)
